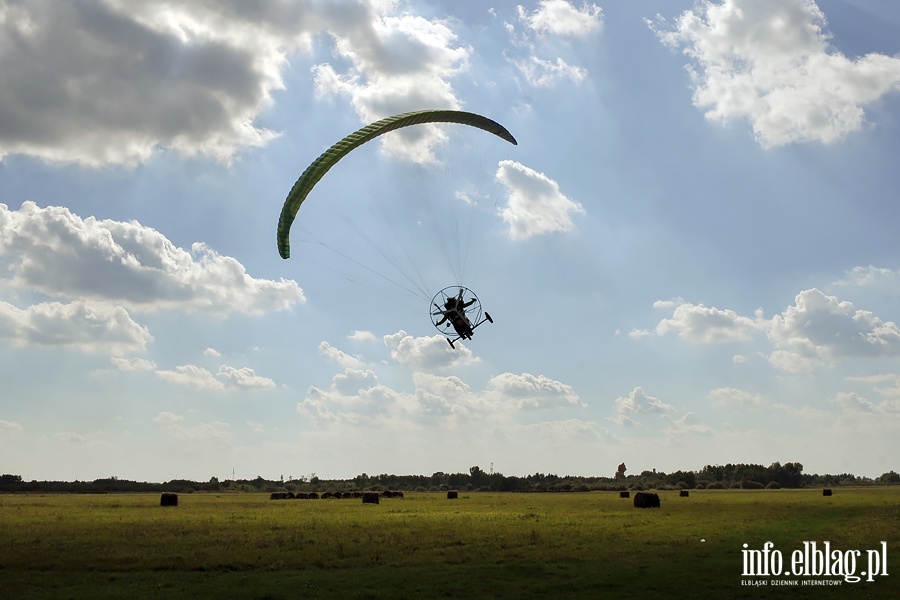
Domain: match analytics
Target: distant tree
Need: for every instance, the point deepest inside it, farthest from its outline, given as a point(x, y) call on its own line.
point(476, 474)
point(889, 477)
point(6, 479)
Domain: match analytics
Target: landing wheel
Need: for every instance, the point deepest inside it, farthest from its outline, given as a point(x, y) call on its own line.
point(487, 316)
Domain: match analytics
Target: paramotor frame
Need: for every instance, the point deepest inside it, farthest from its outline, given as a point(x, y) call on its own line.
point(456, 312)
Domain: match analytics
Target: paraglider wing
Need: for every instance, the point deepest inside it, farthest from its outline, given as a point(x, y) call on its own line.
point(330, 157)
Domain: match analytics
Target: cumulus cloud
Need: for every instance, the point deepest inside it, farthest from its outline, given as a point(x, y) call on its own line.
point(212, 353)
point(733, 397)
point(816, 330)
point(526, 391)
point(132, 364)
point(203, 432)
point(339, 356)
point(770, 62)
point(637, 402)
point(244, 378)
point(535, 205)
point(10, 426)
point(94, 328)
point(544, 73)
point(120, 79)
point(53, 251)
point(557, 20)
point(357, 396)
point(561, 18)
point(689, 423)
point(424, 353)
point(73, 437)
point(707, 324)
point(191, 376)
point(227, 378)
point(397, 64)
point(361, 336)
point(820, 329)
point(867, 276)
point(353, 395)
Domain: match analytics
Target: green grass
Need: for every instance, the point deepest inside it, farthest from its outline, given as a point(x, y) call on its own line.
point(481, 545)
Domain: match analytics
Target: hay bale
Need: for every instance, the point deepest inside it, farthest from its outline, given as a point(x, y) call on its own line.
point(624, 494)
point(313, 496)
point(646, 500)
point(370, 497)
point(168, 499)
point(826, 492)
point(684, 493)
point(398, 494)
point(452, 495)
point(301, 495)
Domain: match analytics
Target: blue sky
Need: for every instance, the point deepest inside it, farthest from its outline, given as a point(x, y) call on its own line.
point(690, 256)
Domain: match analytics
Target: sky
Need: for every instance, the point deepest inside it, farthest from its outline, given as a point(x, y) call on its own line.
point(690, 256)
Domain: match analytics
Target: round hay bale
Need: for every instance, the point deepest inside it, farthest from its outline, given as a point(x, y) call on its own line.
point(313, 496)
point(624, 494)
point(168, 499)
point(684, 493)
point(370, 497)
point(646, 500)
point(452, 495)
point(826, 492)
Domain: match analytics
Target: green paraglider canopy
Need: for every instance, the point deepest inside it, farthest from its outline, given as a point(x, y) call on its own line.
point(315, 171)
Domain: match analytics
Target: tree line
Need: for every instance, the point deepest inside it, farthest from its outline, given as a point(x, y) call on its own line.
point(745, 476)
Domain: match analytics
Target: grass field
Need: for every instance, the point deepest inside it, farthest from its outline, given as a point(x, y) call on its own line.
point(481, 545)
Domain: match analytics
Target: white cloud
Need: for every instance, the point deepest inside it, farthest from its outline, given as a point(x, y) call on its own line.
point(95, 328)
point(73, 437)
point(256, 427)
point(425, 353)
point(535, 205)
point(637, 402)
point(191, 376)
point(733, 397)
point(769, 61)
point(398, 64)
point(689, 423)
point(120, 79)
point(823, 329)
point(167, 418)
point(526, 391)
point(560, 17)
point(339, 356)
point(868, 276)
point(817, 330)
point(244, 378)
point(10, 426)
point(362, 336)
point(707, 324)
point(53, 251)
point(357, 396)
point(227, 378)
point(132, 364)
point(202, 432)
point(212, 353)
point(544, 73)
